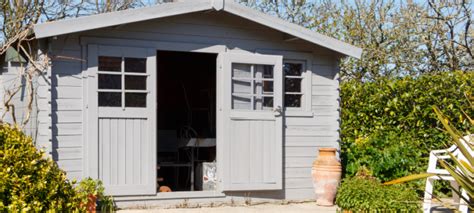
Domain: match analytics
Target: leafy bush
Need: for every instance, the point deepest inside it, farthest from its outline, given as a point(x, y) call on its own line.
point(28, 181)
point(362, 194)
point(461, 170)
point(388, 125)
point(389, 154)
point(90, 187)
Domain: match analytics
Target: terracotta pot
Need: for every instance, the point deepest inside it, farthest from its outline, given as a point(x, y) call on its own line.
point(164, 189)
point(91, 203)
point(326, 173)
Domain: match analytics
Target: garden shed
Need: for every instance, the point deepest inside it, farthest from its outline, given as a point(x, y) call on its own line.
point(212, 99)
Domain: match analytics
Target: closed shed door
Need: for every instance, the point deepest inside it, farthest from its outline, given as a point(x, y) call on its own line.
point(123, 119)
point(251, 133)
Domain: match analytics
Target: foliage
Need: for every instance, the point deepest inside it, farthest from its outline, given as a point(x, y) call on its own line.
point(462, 170)
point(365, 194)
point(398, 37)
point(388, 125)
point(385, 158)
point(28, 181)
point(89, 186)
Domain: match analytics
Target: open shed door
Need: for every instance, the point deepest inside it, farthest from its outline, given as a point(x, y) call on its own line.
point(122, 119)
point(251, 121)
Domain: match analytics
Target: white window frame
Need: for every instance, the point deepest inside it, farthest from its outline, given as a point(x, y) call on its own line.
point(122, 89)
point(306, 84)
point(254, 93)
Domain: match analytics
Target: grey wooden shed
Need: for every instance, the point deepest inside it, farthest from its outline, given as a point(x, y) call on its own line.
point(186, 94)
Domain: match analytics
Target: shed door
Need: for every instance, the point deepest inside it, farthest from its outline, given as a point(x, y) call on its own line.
point(122, 119)
point(251, 135)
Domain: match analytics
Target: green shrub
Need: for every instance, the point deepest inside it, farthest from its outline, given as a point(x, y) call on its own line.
point(89, 186)
point(389, 126)
point(389, 154)
point(28, 181)
point(362, 194)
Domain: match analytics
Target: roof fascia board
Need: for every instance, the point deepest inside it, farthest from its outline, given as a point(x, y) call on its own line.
point(218, 4)
point(67, 26)
point(292, 29)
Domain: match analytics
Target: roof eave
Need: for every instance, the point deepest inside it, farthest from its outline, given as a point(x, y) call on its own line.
point(171, 9)
point(294, 30)
point(92, 22)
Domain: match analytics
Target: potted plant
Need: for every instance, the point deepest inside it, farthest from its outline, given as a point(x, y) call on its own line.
point(92, 194)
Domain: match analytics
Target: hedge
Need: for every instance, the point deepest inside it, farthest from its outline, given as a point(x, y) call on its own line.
point(362, 194)
point(389, 126)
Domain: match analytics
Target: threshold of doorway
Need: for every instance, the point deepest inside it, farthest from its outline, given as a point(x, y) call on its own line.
point(172, 195)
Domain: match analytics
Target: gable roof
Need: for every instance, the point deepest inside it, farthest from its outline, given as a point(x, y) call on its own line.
point(85, 23)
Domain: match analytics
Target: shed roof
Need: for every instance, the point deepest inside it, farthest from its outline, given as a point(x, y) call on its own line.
point(12, 55)
point(85, 23)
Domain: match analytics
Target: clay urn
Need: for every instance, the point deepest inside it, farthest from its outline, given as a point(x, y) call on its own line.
point(326, 173)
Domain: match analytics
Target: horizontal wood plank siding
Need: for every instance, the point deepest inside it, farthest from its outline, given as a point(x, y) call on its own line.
point(303, 135)
point(10, 79)
point(66, 114)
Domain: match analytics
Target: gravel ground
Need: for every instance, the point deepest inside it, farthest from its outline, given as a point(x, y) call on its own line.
point(262, 208)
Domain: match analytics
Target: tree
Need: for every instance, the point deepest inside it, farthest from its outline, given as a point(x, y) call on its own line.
point(399, 38)
point(449, 43)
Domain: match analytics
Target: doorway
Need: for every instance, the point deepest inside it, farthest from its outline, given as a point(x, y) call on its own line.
point(186, 118)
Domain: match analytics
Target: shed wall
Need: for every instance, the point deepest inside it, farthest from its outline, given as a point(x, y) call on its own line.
point(11, 80)
point(304, 135)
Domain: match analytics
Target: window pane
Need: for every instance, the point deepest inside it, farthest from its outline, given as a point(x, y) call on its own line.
point(267, 86)
point(268, 102)
point(263, 71)
point(241, 70)
point(293, 69)
point(135, 99)
point(135, 82)
point(292, 100)
point(239, 102)
point(107, 63)
point(137, 65)
point(241, 87)
point(110, 81)
point(264, 103)
point(111, 99)
point(293, 85)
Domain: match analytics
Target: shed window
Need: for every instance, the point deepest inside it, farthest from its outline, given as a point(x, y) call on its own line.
point(111, 99)
point(252, 87)
point(294, 75)
point(122, 82)
point(107, 63)
point(135, 65)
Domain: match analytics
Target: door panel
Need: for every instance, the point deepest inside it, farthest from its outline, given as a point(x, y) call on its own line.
point(251, 112)
point(122, 117)
point(121, 155)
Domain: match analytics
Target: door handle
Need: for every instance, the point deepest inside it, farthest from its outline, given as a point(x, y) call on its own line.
point(278, 111)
